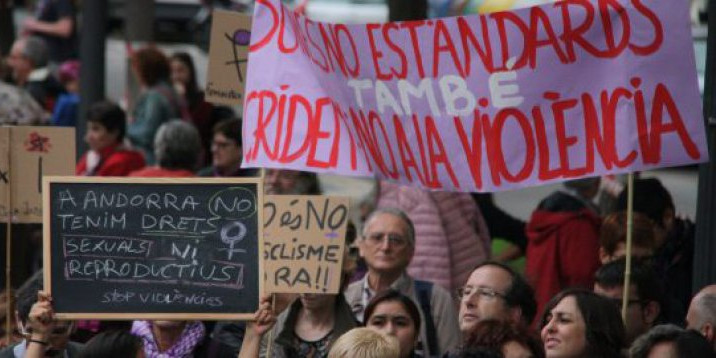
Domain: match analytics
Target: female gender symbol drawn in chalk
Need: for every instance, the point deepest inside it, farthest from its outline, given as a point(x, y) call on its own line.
point(232, 240)
point(241, 38)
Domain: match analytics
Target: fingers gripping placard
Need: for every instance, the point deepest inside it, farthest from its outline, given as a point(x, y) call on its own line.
point(304, 243)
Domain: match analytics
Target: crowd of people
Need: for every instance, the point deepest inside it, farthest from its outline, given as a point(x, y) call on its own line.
point(493, 314)
point(383, 310)
point(419, 277)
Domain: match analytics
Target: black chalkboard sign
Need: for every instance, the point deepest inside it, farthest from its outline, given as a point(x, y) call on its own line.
point(153, 248)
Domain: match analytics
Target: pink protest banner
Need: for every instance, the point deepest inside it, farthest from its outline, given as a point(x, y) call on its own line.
point(477, 103)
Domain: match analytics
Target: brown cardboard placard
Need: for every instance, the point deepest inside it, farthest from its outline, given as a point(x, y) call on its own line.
point(35, 151)
point(228, 57)
point(304, 242)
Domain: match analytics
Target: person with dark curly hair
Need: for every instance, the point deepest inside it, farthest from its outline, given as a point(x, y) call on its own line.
point(581, 323)
point(513, 340)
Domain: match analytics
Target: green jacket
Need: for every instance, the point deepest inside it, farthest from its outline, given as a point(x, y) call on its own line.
point(154, 107)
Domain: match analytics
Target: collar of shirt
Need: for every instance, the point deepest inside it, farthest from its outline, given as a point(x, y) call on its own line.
point(367, 293)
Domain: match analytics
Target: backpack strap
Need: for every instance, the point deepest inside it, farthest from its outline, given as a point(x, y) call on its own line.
point(424, 291)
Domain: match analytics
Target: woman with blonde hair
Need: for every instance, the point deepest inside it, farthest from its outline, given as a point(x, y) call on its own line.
point(365, 343)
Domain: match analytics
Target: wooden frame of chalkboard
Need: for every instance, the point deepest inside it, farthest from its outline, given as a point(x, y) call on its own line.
point(185, 258)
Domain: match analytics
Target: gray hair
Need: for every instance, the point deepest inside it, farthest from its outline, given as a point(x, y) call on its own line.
point(35, 50)
point(705, 305)
point(661, 333)
point(177, 145)
point(395, 212)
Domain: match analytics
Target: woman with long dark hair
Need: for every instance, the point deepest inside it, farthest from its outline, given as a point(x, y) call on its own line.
point(395, 314)
point(580, 323)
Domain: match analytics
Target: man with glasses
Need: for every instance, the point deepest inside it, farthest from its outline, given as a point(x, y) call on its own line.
point(495, 291)
point(387, 245)
point(644, 308)
point(226, 151)
point(41, 331)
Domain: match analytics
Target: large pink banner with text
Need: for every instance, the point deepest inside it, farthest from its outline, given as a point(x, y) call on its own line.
point(476, 103)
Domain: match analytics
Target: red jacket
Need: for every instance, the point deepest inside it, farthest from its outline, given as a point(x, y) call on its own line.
point(562, 249)
point(158, 172)
point(115, 161)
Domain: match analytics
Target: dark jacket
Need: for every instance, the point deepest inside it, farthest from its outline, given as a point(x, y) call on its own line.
point(238, 173)
point(674, 261)
point(283, 345)
point(73, 350)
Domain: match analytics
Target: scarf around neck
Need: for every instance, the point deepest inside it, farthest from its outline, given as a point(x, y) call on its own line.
point(191, 336)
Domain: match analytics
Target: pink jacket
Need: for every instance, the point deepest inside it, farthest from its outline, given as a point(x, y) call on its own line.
point(451, 236)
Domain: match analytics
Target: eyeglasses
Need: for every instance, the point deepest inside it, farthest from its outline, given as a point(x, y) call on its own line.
point(482, 292)
point(221, 145)
point(618, 302)
point(377, 238)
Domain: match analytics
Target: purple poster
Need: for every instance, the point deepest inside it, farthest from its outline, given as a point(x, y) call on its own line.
point(489, 102)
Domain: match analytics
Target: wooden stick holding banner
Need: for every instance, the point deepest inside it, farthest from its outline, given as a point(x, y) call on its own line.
point(8, 246)
point(630, 225)
point(269, 347)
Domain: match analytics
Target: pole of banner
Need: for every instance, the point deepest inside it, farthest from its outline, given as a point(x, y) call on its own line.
point(8, 243)
point(630, 223)
point(269, 347)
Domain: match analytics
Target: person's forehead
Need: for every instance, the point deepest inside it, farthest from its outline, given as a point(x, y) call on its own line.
point(611, 292)
point(286, 174)
point(616, 291)
point(179, 64)
point(664, 349)
point(391, 310)
point(490, 276)
point(220, 136)
point(385, 221)
point(393, 307)
point(567, 305)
